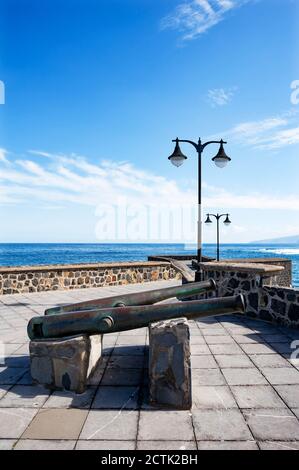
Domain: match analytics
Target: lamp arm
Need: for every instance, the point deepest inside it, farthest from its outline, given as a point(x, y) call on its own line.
point(212, 142)
point(195, 145)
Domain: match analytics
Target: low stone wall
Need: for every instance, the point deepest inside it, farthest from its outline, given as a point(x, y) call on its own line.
point(265, 298)
point(283, 278)
point(25, 279)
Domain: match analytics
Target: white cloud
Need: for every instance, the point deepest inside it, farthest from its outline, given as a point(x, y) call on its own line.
point(3, 154)
point(220, 96)
point(66, 183)
point(270, 133)
point(75, 180)
point(194, 17)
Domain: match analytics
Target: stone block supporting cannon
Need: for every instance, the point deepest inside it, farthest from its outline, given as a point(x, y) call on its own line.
point(66, 342)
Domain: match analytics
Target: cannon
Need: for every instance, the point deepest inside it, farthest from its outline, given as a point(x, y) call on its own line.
point(139, 298)
point(114, 319)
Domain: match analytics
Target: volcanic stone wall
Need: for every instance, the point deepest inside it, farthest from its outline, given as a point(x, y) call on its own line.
point(64, 277)
point(265, 298)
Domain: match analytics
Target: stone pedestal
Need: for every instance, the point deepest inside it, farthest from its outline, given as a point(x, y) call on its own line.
point(169, 364)
point(65, 363)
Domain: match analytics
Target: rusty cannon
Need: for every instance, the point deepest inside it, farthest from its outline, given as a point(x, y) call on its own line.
point(114, 319)
point(66, 343)
point(139, 298)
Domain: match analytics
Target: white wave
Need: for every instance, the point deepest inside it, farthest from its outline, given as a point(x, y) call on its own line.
point(280, 251)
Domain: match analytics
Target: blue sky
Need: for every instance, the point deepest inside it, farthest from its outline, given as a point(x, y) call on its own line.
point(96, 89)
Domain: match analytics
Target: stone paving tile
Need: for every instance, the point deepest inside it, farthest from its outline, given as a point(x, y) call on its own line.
point(126, 362)
point(138, 332)
point(248, 339)
point(278, 424)
point(210, 322)
point(25, 396)
point(10, 348)
point(56, 424)
point(265, 328)
point(7, 444)
point(130, 340)
point(125, 377)
point(4, 389)
point(225, 349)
point(213, 397)
point(96, 376)
point(227, 445)
point(203, 362)
point(290, 394)
point(296, 412)
point(13, 421)
point(30, 444)
point(116, 398)
point(195, 332)
point(213, 331)
point(23, 350)
point(279, 445)
point(276, 338)
point(257, 396)
point(219, 339)
point(26, 379)
point(110, 425)
point(166, 445)
point(230, 361)
point(65, 399)
point(220, 425)
point(282, 348)
point(282, 375)
point(269, 360)
point(258, 349)
point(199, 349)
point(128, 351)
point(243, 377)
point(240, 330)
point(293, 361)
point(10, 375)
point(105, 445)
point(17, 361)
point(197, 340)
point(207, 377)
point(165, 425)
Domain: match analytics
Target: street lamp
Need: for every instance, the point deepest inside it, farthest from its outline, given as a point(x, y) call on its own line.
point(218, 217)
point(177, 158)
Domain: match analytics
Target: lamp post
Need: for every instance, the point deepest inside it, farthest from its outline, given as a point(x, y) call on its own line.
point(218, 217)
point(177, 158)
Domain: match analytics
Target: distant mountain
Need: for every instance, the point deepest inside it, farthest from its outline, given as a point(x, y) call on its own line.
point(294, 240)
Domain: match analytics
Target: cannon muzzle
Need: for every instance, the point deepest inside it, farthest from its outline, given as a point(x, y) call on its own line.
point(109, 320)
point(139, 298)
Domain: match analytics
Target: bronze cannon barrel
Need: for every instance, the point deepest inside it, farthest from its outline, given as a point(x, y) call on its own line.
point(109, 320)
point(139, 298)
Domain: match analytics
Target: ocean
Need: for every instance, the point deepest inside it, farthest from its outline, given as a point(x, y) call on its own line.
point(19, 254)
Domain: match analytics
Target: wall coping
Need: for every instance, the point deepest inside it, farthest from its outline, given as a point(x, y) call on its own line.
point(255, 260)
point(82, 266)
point(258, 268)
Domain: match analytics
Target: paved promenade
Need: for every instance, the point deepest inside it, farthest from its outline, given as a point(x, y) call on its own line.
point(245, 387)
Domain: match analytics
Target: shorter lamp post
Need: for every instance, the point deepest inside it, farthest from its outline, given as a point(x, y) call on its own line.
point(218, 217)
